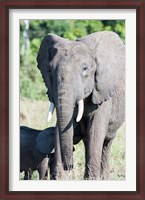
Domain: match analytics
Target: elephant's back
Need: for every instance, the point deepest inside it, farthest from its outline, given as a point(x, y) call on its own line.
point(27, 138)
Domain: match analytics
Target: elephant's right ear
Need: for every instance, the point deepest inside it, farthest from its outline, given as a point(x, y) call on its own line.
point(45, 55)
point(46, 47)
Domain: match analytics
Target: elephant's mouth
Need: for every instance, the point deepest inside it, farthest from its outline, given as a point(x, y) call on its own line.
point(79, 114)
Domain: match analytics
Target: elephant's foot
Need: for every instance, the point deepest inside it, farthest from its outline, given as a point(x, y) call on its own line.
point(92, 178)
point(104, 168)
point(105, 175)
point(61, 174)
point(92, 174)
point(105, 159)
point(56, 172)
point(67, 167)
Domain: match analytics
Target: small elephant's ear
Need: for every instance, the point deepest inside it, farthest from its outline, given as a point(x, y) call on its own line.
point(108, 52)
point(45, 54)
point(45, 141)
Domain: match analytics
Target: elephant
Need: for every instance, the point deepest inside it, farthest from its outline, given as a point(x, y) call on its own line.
point(85, 79)
point(33, 154)
point(37, 151)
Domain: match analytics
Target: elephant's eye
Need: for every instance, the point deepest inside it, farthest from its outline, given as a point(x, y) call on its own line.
point(85, 70)
point(49, 71)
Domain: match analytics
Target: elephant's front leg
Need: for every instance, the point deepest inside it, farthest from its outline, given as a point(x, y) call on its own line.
point(93, 153)
point(43, 168)
point(105, 158)
point(97, 123)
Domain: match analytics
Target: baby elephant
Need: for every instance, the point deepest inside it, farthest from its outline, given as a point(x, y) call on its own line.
point(37, 150)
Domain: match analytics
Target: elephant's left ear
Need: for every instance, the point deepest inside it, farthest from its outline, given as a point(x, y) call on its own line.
point(108, 52)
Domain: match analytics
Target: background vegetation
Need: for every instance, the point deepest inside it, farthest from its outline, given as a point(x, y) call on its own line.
point(31, 84)
point(33, 99)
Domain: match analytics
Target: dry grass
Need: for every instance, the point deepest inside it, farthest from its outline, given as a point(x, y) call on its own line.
point(34, 114)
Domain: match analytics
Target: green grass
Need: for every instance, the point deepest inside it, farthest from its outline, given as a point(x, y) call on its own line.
point(34, 114)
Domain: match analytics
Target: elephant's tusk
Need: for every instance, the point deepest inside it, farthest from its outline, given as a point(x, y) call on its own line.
point(51, 110)
point(80, 110)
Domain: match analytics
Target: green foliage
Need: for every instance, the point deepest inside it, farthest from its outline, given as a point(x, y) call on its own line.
point(31, 83)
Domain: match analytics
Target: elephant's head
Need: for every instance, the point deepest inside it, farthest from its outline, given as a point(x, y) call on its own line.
point(72, 71)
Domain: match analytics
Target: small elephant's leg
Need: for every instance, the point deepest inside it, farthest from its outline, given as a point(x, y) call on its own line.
point(26, 175)
point(105, 159)
point(30, 174)
point(52, 168)
point(43, 167)
point(46, 175)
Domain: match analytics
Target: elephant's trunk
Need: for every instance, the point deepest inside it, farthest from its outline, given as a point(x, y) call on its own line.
point(64, 118)
point(64, 110)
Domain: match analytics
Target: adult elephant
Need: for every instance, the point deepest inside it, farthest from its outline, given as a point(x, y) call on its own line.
point(86, 76)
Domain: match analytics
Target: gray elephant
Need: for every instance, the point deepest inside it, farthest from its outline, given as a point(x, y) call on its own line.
point(37, 151)
point(85, 81)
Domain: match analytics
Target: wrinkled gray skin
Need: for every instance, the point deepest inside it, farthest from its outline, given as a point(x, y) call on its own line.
point(37, 151)
point(91, 68)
